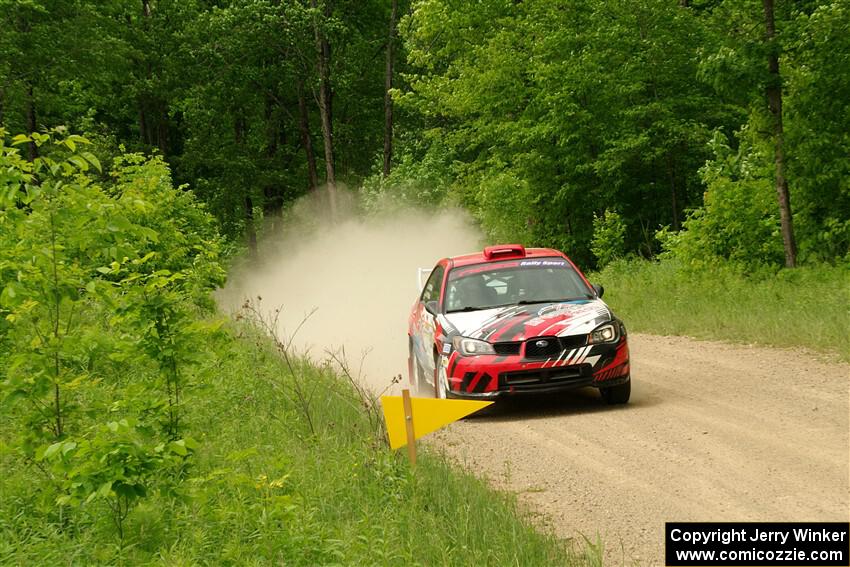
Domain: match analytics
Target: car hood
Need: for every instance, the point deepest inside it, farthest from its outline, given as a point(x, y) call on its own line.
point(521, 322)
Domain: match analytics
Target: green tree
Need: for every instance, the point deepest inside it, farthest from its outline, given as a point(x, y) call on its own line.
point(94, 276)
point(744, 67)
point(609, 238)
point(568, 110)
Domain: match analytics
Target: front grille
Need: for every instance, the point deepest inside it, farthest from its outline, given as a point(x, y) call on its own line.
point(542, 378)
point(553, 347)
point(507, 349)
point(542, 347)
point(574, 341)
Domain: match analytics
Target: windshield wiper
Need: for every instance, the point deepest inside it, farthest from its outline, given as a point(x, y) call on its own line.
point(468, 308)
point(532, 301)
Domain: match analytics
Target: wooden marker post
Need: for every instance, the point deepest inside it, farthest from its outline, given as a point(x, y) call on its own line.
point(408, 424)
point(431, 414)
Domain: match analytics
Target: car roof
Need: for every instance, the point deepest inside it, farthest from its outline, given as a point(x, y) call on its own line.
point(482, 257)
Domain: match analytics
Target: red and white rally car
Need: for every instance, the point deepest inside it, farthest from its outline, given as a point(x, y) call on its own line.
point(511, 320)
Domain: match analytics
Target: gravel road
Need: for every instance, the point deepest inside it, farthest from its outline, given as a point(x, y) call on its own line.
point(714, 432)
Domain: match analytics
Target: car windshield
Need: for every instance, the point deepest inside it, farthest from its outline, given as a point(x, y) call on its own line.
point(511, 282)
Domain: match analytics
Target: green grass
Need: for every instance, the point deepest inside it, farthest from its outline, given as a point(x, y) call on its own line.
point(804, 307)
point(264, 489)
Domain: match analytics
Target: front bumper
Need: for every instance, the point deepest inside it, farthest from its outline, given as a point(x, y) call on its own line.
point(492, 376)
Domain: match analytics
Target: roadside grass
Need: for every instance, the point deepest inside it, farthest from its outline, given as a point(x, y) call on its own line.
point(267, 487)
point(804, 307)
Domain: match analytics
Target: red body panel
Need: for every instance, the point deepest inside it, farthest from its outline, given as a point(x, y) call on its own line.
point(482, 375)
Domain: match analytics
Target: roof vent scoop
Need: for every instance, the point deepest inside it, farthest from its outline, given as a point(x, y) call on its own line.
point(504, 251)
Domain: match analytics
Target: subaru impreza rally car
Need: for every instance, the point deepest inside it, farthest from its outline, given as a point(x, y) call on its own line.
point(511, 320)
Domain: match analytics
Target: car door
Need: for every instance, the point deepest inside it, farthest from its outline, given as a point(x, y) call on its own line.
point(426, 321)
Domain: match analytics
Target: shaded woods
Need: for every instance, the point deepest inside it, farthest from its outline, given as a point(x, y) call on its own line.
point(727, 119)
point(143, 141)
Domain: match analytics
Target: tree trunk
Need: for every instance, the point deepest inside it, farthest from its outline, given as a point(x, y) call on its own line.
point(239, 128)
point(32, 149)
point(272, 192)
point(271, 123)
point(388, 100)
point(272, 201)
point(674, 201)
point(162, 130)
point(249, 224)
point(307, 139)
point(773, 93)
point(143, 124)
point(153, 110)
point(323, 59)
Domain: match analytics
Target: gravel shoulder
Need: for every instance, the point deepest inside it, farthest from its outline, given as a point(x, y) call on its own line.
point(714, 432)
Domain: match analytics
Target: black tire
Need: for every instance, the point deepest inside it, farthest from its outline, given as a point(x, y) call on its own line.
point(618, 394)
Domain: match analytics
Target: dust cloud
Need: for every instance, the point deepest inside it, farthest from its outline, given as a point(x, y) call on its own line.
point(357, 275)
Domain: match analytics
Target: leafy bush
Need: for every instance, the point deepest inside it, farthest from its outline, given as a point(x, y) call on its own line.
point(263, 490)
point(609, 238)
point(94, 277)
point(502, 202)
point(818, 96)
point(739, 220)
point(417, 179)
point(806, 306)
point(137, 429)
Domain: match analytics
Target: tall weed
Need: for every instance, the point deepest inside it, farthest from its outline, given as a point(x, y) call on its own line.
point(805, 307)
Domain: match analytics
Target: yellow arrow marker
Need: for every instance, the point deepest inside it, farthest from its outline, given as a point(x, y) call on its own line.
point(429, 414)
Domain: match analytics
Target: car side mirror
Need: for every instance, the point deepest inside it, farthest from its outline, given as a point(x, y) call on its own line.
point(599, 290)
point(431, 307)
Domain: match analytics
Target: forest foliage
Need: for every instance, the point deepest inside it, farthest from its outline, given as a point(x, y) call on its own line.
point(537, 116)
point(158, 133)
point(138, 427)
point(654, 110)
point(100, 273)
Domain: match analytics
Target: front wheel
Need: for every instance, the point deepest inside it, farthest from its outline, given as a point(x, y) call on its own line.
point(618, 394)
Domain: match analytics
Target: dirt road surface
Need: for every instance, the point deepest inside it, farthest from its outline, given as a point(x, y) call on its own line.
point(714, 432)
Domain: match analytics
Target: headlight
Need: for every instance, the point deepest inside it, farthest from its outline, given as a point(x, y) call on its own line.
point(472, 347)
point(607, 333)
